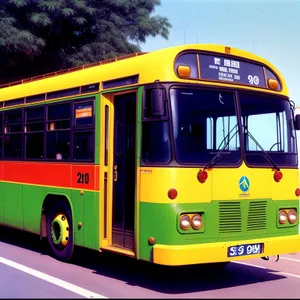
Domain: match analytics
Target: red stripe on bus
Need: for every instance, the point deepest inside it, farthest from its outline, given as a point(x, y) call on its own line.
point(78, 176)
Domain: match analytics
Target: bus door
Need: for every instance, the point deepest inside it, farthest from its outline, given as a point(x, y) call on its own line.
point(119, 171)
point(124, 170)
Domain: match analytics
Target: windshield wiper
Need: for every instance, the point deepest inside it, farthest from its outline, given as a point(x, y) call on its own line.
point(269, 158)
point(218, 154)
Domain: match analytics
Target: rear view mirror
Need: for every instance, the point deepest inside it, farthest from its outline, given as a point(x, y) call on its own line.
point(157, 102)
point(297, 122)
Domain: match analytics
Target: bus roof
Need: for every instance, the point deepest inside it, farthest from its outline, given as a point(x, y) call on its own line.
point(150, 67)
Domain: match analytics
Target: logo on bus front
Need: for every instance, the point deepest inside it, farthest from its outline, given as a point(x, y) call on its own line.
point(244, 184)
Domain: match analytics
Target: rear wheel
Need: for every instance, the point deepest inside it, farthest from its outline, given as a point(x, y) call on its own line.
point(60, 231)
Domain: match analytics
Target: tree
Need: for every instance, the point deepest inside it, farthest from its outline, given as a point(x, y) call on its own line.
point(38, 36)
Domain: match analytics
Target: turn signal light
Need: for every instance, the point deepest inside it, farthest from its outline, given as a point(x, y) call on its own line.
point(202, 176)
point(278, 176)
point(297, 192)
point(184, 71)
point(172, 194)
point(273, 84)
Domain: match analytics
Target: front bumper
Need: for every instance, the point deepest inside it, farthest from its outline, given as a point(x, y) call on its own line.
point(176, 255)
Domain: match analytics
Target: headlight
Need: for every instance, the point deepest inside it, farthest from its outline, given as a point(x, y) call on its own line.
point(282, 217)
point(185, 222)
point(196, 222)
point(292, 216)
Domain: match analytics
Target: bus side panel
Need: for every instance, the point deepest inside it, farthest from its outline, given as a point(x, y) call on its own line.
point(1, 203)
point(90, 220)
point(77, 204)
point(33, 197)
point(12, 199)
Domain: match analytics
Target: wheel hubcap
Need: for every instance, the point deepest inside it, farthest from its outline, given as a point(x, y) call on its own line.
point(60, 230)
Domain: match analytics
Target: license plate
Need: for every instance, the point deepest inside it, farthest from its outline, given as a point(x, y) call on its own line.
point(246, 249)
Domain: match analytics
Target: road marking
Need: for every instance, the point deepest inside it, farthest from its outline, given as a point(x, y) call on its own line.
point(292, 259)
point(64, 284)
point(271, 271)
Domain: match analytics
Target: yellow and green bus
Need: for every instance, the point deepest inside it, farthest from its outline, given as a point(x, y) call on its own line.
point(184, 155)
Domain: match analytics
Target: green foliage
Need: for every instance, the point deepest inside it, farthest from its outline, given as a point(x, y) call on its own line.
point(38, 36)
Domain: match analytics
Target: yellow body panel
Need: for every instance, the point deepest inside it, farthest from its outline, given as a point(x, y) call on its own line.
point(221, 184)
point(157, 65)
point(217, 252)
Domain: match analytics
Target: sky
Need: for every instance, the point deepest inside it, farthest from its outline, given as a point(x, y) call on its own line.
point(270, 29)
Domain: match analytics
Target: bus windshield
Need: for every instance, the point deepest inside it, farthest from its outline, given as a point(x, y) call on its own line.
point(204, 121)
point(267, 123)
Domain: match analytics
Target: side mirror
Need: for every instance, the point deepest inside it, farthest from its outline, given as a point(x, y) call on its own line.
point(297, 122)
point(157, 102)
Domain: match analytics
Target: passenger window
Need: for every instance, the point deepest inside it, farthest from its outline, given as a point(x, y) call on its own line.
point(58, 131)
point(13, 121)
point(83, 131)
point(58, 145)
point(59, 111)
point(34, 132)
point(1, 116)
point(83, 144)
point(13, 137)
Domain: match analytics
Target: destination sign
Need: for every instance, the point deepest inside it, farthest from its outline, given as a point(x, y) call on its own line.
point(215, 67)
point(83, 112)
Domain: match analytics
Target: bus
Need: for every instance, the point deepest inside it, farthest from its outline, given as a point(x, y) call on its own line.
point(180, 156)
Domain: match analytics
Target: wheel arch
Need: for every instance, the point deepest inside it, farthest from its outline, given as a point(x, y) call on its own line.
point(49, 200)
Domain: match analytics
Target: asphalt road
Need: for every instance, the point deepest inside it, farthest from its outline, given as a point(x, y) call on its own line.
point(27, 271)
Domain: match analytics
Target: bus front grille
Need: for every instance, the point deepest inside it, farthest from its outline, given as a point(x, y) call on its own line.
point(257, 216)
point(230, 217)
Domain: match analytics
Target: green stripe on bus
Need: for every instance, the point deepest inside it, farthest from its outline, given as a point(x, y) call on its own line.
point(161, 222)
point(21, 207)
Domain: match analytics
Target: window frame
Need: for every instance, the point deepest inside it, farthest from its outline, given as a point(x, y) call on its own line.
point(72, 130)
point(162, 119)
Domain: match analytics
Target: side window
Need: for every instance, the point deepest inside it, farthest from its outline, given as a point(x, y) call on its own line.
point(83, 145)
point(156, 143)
point(13, 137)
point(84, 131)
point(58, 131)
point(34, 133)
point(148, 108)
point(156, 146)
point(1, 136)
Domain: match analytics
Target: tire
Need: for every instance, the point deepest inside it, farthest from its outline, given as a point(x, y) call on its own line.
point(60, 231)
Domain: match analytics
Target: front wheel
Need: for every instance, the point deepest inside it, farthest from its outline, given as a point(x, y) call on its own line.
point(60, 231)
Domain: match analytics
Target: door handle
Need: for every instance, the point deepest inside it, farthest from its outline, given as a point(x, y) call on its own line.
point(115, 173)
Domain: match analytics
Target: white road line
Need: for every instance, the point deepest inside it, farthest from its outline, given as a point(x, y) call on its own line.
point(292, 259)
point(64, 284)
point(260, 267)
